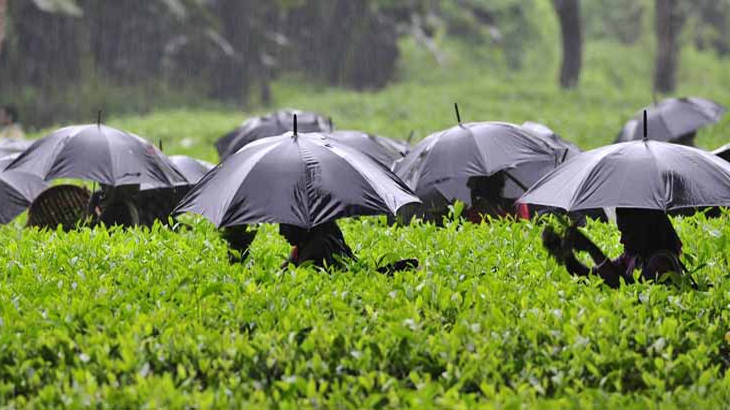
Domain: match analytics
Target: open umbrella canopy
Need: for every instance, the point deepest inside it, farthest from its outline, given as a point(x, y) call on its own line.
point(637, 174)
point(98, 153)
point(384, 150)
point(10, 146)
point(272, 124)
point(191, 168)
point(544, 131)
point(303, 180)
point(17, 191)
point(671, 120)
point(446, 160)
point(723, 152)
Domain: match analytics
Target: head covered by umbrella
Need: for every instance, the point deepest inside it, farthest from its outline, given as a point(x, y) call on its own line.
point(96, 152)
point(639, 174)
point(269, 125)
point(673, 120)
point(444, 162)
point(297, 179)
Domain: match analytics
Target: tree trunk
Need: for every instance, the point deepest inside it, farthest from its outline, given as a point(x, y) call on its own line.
point(668, 24)
point(3, 13)
point(572, 32)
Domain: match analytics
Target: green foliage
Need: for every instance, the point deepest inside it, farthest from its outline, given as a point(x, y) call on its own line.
point(620, 20)
point(160, 319)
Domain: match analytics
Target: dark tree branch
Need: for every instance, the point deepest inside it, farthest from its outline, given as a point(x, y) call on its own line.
point(571, 29)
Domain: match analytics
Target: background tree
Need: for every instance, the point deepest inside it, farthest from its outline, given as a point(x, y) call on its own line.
point(572, 40)
point(3, 13)
point(668, 25)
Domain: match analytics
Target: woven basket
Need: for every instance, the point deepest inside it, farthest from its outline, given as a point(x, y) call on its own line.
point(64, 205)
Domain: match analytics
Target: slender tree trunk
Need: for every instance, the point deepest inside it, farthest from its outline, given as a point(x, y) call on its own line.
point(668, 24)
point(3, 14)
point(572, 33)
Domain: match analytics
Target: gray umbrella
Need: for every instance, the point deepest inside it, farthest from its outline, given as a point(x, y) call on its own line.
point(269, 125)
point(446, 160)
point(10, 146)
point(384, 150)
point(98, 153)
point(191, 168)
point(17, 191)
point(673, 119)
point(723, 152)
point(303, 180)
point(637, 174)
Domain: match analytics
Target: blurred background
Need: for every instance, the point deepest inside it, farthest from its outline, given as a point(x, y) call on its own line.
point(389, 66)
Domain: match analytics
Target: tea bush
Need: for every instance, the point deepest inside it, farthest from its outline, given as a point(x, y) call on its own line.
point(160, 319)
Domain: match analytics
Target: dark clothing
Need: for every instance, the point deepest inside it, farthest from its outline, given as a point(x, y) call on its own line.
point(487, 199)
point(651, 269)
point(121, 212)
point(239, 239)
point(115, 205)
point(323, 245)
point(650, 245)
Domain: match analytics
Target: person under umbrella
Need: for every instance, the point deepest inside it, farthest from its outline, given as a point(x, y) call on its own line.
point(643, 180)
point(323, 245)
point(673, 120)
point(651, 245)
point(269, 125)
point(155, 203)
point(96, 152)
point(448, 165)
point(17, 191)
point(303, 180)
point(487, 199)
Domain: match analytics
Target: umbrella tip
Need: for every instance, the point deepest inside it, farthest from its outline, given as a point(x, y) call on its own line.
point(98, 117)
point(295, 125)
point(458, 116)
point(646, 133)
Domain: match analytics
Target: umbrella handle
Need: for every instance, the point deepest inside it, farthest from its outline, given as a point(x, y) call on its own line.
point(516, 181)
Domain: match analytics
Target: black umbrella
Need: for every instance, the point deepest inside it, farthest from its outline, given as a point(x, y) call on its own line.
point(17, 191)
point(384, 150)
point(637, 174)
point(723, 152)
point(542, 130)
point(272, 124)
point(673, 120)
point(98, 153)
point(191, 168)
point(303, 180)
point(446, 160)
point(11, 146)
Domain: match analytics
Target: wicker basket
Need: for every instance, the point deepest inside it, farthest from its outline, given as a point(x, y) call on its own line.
point(64, 205)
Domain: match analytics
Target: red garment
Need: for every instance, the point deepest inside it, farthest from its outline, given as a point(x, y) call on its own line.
point(523, 211)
